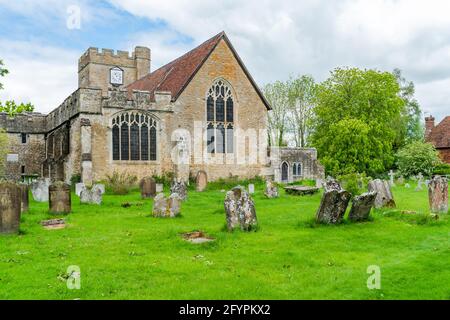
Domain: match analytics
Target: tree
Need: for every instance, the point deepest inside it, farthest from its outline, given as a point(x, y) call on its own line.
point(276, 95)
point(3, 151)
point(11, 108)
point(355, 121)
point(410, 127)
point(417, 157)
point(3, 72)
point(301, 95)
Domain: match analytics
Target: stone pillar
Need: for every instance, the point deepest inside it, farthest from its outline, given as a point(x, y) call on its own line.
point(59, 198)
point(86, 152)
point(10, 203)
point(438, 194)
point(24, 197)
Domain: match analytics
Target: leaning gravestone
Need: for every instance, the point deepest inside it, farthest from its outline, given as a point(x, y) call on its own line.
point(180, 188)
point(361, 206)
point(240, 210)
point(59, 198)
point(384, 196)
point(24, 197)
point(333, 204)
point(79, 187)
point(438, 194)
point(148, 187)
point(167, 207)
point(201, 181)
point(91, 196)
point(10, 204)
point(271, 190)
point(39, 189)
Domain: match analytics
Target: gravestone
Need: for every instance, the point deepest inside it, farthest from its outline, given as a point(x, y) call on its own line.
point(384, 196)
point(24, 197)
point(79, 187)
point(271, 190)
point(201, 181)
point(148, 187)
point(91, 196)
point(98, 187)
point(391, 178)
point(333, 204)
point(59, 198)
point(166, 207)
point(401, 180)
point(159, 187)
point(407, 185)
point(419, 182)
point(319, 183)
point(438, 194)
point(39, 189)
point(240, 210)
point(427, 182)
point(361, 206)
point(10, 205)
point(180, 188)
point(251, 188)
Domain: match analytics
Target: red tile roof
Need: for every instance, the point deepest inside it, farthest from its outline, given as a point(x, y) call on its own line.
point(176, 75)
point(440, 134)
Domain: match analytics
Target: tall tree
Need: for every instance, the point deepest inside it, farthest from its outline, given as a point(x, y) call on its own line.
point(301, 95)
point(277, 96)
point(3, 72)
point(11, 108)
point(355, 121)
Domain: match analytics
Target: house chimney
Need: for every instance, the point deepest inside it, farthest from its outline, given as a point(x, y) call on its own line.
point(429, 125)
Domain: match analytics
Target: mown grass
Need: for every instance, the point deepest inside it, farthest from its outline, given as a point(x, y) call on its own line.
point(124, 253)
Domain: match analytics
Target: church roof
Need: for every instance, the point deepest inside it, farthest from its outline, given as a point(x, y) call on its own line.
point(176, 75)
point(440, 134)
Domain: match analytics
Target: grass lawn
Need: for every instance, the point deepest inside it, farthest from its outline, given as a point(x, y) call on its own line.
point(124, 253)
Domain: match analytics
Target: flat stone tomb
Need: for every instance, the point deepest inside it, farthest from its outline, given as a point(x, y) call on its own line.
point(54, 224)
point(197, 237)
point(301, 190)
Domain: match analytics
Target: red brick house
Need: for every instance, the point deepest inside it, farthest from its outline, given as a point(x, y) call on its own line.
point(439, 136)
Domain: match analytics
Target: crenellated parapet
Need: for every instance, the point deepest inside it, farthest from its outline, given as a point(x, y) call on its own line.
point(27, 122)
point(124, 99)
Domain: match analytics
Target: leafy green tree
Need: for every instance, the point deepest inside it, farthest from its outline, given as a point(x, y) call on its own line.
point(355, 121)
point(11, 108)
point(417, 157)
point(277, 96)
point(3, 72)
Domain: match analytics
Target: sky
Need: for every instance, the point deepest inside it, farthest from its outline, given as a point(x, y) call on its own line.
point(41, 40)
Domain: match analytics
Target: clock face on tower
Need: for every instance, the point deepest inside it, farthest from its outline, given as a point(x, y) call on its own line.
point(116, 76)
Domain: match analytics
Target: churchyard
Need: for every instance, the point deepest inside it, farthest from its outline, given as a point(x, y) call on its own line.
point(128, 247)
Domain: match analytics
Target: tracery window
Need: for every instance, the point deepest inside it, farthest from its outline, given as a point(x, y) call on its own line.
point(220, 118)
point(297, 169)
point(134, 137)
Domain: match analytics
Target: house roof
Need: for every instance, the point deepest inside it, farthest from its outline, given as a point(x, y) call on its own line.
point(440, 134)
point(176, 75)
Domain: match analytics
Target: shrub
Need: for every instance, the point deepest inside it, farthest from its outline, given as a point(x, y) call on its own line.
point(442, 169)
point(355, 183)
point(120, 183)
point(417, 157)
point(166, 178)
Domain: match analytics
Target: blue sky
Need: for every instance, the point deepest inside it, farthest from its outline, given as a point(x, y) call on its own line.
point(275, 38)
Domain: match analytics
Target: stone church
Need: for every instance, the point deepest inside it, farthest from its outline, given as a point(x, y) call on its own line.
point(202, 111)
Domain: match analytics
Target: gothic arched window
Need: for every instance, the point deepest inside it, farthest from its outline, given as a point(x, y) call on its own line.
point(220, 118)
point(134, 137)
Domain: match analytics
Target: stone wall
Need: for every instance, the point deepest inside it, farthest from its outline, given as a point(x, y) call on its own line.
point(444, 154)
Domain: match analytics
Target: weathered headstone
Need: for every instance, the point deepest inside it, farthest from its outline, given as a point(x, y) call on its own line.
point(319, 183)
point(166, 207)
point(438, 194)
point(240, 210)
point(59, 198)
point(251, 188)
point(333, 204)
point(148, 187)
point(174, 204)
point(384, 194)
point(24, 197)
point(79, 187)
point(271, 190)
point(91, 196)
point(419, 182)
point(99, 187)
point(391, 178)
point(39, 189)
point(201, 181)
point(10, 204)
point(361, 206)
point(180, 188)
point(159, 187)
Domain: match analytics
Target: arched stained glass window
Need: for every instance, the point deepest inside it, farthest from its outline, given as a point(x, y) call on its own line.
point(134, 137)
point(220, 118)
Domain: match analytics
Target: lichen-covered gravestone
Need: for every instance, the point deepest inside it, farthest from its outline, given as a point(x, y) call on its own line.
point(24, 197)
point(79, 187)
point(180, 188)
point(148, 187)
point(384, 196)
point(98, 187)
point(167, 207)
point(10, 205)
point(240, 210)
point(201, 181)
point(361, 206)
point(59, 198)
point(91, 196)
point(271, 190)
point(39, 189)
point(333, 204)
point(438, 194)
